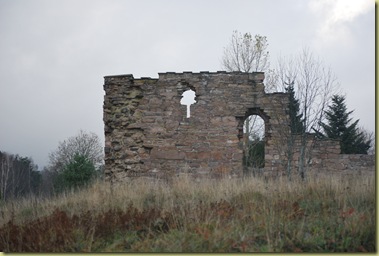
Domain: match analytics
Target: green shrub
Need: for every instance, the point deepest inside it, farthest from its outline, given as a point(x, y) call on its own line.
point(77, 173)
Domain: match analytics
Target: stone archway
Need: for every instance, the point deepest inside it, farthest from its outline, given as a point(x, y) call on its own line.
point(254, 140)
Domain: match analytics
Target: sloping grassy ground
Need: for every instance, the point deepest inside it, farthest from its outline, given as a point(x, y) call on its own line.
point(332, 213)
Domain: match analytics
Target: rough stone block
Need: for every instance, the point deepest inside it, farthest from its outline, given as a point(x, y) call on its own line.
point(167, 154)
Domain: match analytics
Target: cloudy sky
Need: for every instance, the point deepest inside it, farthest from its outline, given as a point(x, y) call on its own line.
point(54, 54)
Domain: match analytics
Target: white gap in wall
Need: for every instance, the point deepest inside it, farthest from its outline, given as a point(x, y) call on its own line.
point(188, 99)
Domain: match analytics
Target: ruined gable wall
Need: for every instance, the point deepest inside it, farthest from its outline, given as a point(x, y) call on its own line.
point(147, 132)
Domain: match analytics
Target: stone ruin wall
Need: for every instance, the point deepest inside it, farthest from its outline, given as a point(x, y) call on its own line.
point(326, 155)
point(147, 132)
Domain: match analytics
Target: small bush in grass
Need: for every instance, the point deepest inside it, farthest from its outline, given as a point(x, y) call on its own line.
point(79, 172)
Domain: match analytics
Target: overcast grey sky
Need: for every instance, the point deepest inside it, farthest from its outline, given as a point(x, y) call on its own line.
point(54, 54)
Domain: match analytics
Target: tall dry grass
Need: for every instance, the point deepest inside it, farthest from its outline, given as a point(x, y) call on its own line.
point(325, 213)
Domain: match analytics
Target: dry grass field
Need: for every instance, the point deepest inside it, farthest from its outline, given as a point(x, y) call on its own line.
point(330, 213)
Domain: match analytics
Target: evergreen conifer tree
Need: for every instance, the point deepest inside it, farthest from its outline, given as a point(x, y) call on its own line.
point(340, 126)
point(297, 125)
point(78, 172)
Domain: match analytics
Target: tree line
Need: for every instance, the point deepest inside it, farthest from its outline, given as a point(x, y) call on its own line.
point(76, 162)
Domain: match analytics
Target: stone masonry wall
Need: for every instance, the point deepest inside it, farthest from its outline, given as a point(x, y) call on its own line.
point(147, 131)
point(325, 155)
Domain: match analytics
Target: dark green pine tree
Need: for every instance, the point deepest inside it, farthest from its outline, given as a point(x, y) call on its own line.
point(78, 172)
point(340, 126)
point(297, 122)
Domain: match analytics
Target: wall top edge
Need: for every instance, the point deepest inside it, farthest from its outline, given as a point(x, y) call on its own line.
point(169, 73)
point(209, 72)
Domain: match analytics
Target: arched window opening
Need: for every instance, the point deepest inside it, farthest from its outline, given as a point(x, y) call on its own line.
point(253, 143)
point(188, 98)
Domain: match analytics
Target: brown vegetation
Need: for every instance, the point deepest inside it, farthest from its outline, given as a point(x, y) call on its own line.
point(333, 213)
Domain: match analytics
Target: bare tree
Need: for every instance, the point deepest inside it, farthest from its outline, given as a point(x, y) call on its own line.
point(85, 144)
point(314, 85)
point(6, 162)
point(246, 53)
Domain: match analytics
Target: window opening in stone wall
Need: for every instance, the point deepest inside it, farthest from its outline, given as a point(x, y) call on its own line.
point(253, 144)
point(188, 99)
